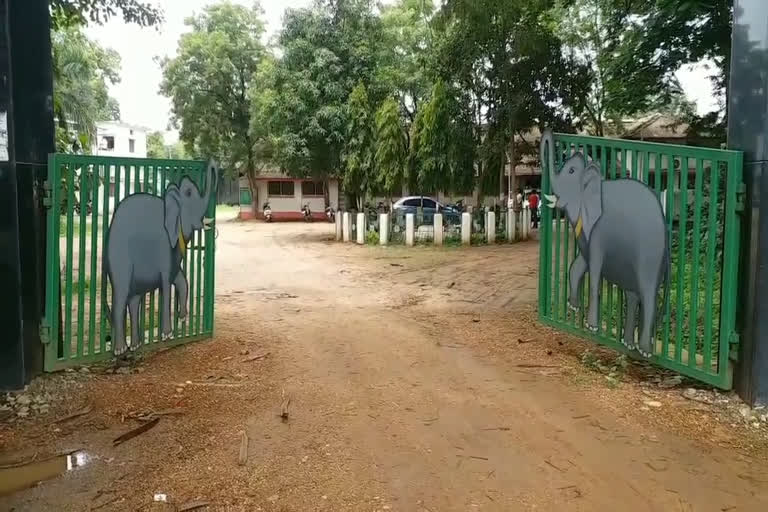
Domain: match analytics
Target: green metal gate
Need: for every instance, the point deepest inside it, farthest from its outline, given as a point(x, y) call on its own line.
point(702, 192)
point(83, 193)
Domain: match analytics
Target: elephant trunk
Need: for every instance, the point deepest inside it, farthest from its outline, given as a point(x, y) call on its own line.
point(548, 139)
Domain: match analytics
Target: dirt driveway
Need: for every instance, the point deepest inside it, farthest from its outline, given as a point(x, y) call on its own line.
point(418, 381)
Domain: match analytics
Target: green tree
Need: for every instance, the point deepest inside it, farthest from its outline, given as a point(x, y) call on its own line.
point(66, 13)
point(512, 74)
point(586, 30)
point(358, 154)
point(82, 71)
point(405, 49)
point(660, 37)
point(327, 50)
point(442, 153)
point(209, 82)
point(156, 145)
point(391, 154)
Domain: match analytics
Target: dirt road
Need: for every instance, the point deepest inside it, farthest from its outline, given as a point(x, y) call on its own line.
point(416, 383)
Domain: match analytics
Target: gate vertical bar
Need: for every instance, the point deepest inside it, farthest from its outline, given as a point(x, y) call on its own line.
point(693, 319)
point(710, 266)
point(68, 261)
point(81, 238)
point(92, 309)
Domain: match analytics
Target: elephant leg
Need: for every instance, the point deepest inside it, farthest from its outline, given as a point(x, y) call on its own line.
point(576, 276)
point(119, 303)
point(595, 276)
point(629, 322)
point(165, 321)
point(182, 294)
point(133, 311)
point(648, 312)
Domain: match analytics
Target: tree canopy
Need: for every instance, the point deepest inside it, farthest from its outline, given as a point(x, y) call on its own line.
point(209, 84)
point(440, 98)
point(82, 72)
point(65, 13)
point(327, 49)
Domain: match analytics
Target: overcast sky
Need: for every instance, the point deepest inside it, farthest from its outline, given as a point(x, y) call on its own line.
point(141, 103)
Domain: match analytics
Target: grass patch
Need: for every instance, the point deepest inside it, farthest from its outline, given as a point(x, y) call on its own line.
point(75, 227)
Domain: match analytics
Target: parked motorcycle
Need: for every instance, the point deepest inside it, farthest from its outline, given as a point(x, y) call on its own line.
point(307, 213)
point(267, 212)
point(330, 214)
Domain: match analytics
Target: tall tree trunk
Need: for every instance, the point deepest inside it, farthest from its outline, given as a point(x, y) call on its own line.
point(251, 175)
point(512, 185)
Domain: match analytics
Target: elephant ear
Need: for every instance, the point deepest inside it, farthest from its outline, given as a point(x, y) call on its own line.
point(172, 213)
point(592, 198)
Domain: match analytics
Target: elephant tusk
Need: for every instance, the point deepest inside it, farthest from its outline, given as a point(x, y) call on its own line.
point(207, 223)
point(551, 199)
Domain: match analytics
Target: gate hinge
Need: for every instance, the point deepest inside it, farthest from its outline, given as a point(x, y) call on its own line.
point(733, 340)
point(45, 332)
point(741, 194)
point(47, 194)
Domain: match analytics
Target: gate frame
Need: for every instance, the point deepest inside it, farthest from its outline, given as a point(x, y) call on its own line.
point(52, 321)
point(733, 205)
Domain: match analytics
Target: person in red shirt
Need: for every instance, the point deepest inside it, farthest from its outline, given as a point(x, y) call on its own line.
point(533, 204)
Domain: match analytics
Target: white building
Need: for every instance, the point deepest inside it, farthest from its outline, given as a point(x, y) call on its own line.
point(116, 138)
point(286, 196)
point(119, 139)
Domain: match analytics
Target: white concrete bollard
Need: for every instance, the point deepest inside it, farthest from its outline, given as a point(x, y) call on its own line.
point(339, 230)
point(526, 229)
point(490, 226)
point(466, 228)
point(347, 226)
point(383, 228)
point(511, 231)
point(409, 229)
point(438, 223)
point(361, 228)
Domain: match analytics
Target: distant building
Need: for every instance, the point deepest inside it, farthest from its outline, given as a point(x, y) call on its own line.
point(287, 196)
point(122, 140)
point(116, 138)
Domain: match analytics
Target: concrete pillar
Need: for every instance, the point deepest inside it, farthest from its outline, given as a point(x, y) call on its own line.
point(747, 121)
point(409, 229)
point(346, 226)
point(361, 228)
point(339, 229)
point(466, 228)
point(438, 223)
point(511, 231)
point(490, 226)
point(383, 228)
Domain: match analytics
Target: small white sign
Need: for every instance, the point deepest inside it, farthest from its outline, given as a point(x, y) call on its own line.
point(3, 136)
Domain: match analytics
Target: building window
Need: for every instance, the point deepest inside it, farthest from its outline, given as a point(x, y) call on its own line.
point(312, 188)
point(132, 145)
point(280, 188)
point(107, 142)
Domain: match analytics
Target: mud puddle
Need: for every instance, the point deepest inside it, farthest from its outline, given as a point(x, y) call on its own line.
point(15, 478)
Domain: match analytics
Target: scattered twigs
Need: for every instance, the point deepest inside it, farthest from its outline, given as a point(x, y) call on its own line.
point(135, 432)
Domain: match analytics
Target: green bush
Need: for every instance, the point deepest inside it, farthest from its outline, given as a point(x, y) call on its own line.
point(372, 237)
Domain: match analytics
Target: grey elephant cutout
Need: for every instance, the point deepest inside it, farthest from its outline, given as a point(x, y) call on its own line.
point(621, 234)
point(146, 243)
